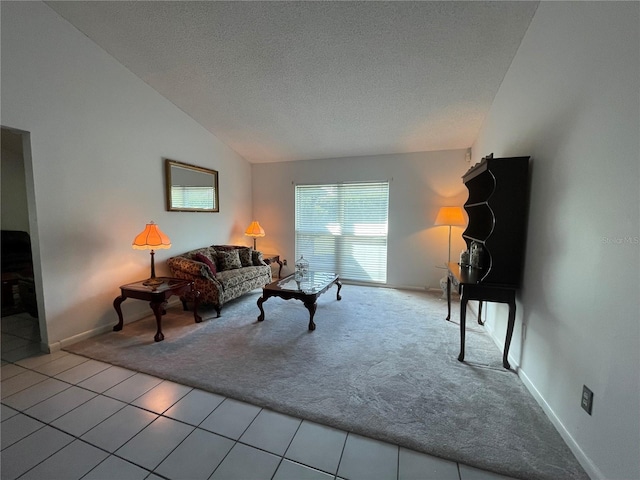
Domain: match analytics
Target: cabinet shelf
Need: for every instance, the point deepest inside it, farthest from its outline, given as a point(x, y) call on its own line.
point(481, 187)
point(497, 211)
point(481, 221)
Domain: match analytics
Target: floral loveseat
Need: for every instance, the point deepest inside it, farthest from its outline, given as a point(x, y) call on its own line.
point(221, 272)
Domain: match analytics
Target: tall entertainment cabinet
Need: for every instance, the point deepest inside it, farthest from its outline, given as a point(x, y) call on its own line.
point(497, 207)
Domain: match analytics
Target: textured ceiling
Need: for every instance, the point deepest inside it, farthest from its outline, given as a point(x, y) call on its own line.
point(280, 81)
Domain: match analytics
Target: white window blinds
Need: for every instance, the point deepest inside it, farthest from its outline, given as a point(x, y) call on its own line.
point(343, 229)
point(192, 197)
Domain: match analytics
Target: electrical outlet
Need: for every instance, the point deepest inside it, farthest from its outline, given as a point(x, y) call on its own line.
point(587, 399)
point(284, 262)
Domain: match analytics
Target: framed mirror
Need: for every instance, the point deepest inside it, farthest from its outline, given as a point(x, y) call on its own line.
point(190, 188)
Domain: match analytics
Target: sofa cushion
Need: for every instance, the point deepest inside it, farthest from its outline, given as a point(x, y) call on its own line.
point(245, 256)
point(229, 260)
point(207, 261)
point(234, 278)
point(256, 257)
point(190, 267)
point(206, 251)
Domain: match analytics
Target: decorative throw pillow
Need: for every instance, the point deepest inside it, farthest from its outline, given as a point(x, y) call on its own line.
point(229, 260)
point(207, 261)
point(245, 256)
point(256, 256)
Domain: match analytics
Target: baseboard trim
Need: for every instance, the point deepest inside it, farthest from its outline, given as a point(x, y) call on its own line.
point(105, 328)
point(592, 470)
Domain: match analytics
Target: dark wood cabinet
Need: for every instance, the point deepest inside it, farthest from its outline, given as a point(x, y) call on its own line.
point(497, 207)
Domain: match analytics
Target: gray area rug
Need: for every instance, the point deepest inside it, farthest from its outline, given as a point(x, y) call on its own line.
point(381, 363)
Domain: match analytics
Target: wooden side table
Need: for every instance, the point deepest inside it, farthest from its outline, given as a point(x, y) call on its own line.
point(157, 297)
point(270, 258)
point(467, 282)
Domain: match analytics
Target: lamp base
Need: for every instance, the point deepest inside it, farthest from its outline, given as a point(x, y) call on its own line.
point(153, 282)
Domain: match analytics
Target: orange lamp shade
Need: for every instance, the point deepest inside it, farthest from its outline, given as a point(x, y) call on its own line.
point(254, 230)
point(151, 238)
point(450, 216)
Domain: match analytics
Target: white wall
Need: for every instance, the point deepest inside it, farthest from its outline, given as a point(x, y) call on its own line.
point(571, 100)
point(419, 184)
point(15, 215)
point(98, 138)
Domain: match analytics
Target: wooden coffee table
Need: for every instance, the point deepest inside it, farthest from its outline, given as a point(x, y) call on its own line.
point(307, 291)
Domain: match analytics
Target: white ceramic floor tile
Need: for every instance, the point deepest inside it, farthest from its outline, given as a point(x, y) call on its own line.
point(119, 428)
point(6, 412)
point(106, 379)
point(471, 473)
point(60, 365)
point(31, 450)
point(317, 446)
point(419, 466)
point(231, 418)
point(116, 468)
point(194, 407)
point(70, 463)
point(82, 372)
point(11, 370)
point(289, 470)
point(41, 359)
point(18, 427)
point(149, 447)
point(11, 342)
point(21, 353)
point(134, 386)
point(368, 459)
point(88, 415)
point(19, 382)
point(271, 431)
point(162, 396)
point(244, 462)
point(35, 394)
point(57, 405)
point(197, 457)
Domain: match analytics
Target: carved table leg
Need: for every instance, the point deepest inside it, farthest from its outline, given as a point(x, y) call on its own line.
point(116, 304)
point(510, 324)
point(339, 287)
point(280, 269)
point(196, 302)
point(311, 306)
point(480, 313)
point(463, 321)
point(158, 310)
point(448, 298)
point(261, 300)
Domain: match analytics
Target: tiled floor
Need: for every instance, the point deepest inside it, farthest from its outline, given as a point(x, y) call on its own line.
point(67, 417)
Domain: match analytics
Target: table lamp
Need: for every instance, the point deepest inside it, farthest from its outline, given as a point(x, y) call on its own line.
point(254, 230)
point(149, 239)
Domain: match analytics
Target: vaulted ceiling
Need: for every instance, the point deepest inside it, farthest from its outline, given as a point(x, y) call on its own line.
point(282, 81)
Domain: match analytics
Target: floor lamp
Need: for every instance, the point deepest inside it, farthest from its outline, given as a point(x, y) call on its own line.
point(450, 216)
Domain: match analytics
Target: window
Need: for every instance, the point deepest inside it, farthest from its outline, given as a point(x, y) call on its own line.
point(343, 229)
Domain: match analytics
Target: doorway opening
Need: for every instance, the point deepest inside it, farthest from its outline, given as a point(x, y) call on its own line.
point(23, 328)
